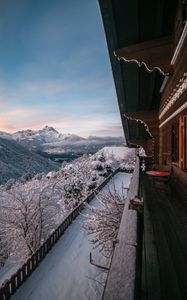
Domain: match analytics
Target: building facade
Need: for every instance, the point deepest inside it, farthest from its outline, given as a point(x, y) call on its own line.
point(147, 42)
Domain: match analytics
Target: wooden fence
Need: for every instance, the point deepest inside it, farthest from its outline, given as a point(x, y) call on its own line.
point(10, 286)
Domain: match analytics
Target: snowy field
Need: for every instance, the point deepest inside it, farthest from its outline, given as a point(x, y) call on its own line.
point(119, 153)
point(66, 273)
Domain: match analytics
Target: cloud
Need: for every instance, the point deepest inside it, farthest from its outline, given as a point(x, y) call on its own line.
point(24, 91)
point(56, 96)
point(116, 132)
point(23, 119)
point(9, 119)
point(14, 113)
point(34, 104)
point(56, 77)
point(6, 126)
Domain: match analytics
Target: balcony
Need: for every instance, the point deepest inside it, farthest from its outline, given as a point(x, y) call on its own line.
point(150, 258)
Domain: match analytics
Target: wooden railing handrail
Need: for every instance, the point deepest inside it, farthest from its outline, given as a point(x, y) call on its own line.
point(122, 275)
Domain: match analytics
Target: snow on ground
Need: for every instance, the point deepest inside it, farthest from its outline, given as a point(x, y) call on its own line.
point(66, 273)
point(8, 269)
point(119, 153)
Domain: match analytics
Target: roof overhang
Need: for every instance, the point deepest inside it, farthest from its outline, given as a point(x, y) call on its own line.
point(140, 44)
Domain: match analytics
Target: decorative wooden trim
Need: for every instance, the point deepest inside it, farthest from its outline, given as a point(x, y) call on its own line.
point(148, 118)
point(179, 89)
point(180, 109)
point(150, 121)
point(133, 116)
point(153, 54)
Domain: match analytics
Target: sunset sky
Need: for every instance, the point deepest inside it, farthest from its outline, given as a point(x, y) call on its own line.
point(54, 68)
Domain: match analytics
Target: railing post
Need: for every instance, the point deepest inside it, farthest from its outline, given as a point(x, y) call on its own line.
point(2, 294)
point(13, 284)
point(6, 292)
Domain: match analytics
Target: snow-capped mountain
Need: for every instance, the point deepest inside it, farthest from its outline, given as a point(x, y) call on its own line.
point(48, 136)
point(45, 135)
point(49, 142)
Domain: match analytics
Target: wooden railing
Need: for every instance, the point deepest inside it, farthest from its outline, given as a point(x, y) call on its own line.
point(9, 287)
point(121, 282)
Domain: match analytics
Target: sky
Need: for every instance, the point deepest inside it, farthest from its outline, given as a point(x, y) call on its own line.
point(55, 69)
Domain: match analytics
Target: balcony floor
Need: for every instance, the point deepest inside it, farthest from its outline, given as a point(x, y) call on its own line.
point(164, 242)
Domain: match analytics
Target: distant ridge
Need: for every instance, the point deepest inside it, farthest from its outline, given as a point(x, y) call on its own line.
point(49, 140)
point(16, 160)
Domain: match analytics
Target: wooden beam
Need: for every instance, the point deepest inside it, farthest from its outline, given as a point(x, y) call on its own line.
point(154, 54)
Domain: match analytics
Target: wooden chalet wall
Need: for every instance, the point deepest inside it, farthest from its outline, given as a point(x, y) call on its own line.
point(173, 103)
point(147, 46)
point(168, 55)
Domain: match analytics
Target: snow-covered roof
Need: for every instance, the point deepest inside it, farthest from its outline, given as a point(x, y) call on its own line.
point(119, 153)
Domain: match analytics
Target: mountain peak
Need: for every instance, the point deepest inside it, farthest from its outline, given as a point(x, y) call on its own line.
point(49, 128)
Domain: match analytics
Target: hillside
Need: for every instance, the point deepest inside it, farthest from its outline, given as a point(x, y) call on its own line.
point(15, 161)
point(52, 144)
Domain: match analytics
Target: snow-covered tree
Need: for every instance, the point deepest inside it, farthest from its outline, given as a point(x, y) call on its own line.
point(103, 222)
point(28, 214)
point(32, 207)
point(128, 166)
point(75, 181)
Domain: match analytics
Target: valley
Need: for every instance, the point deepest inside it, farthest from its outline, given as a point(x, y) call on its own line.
point(58, 147)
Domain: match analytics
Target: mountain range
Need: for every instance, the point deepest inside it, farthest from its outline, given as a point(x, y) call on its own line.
point(49, 141)
point(36, 151)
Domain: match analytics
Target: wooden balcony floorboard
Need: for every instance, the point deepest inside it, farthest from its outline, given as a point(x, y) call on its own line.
point(165, 242)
